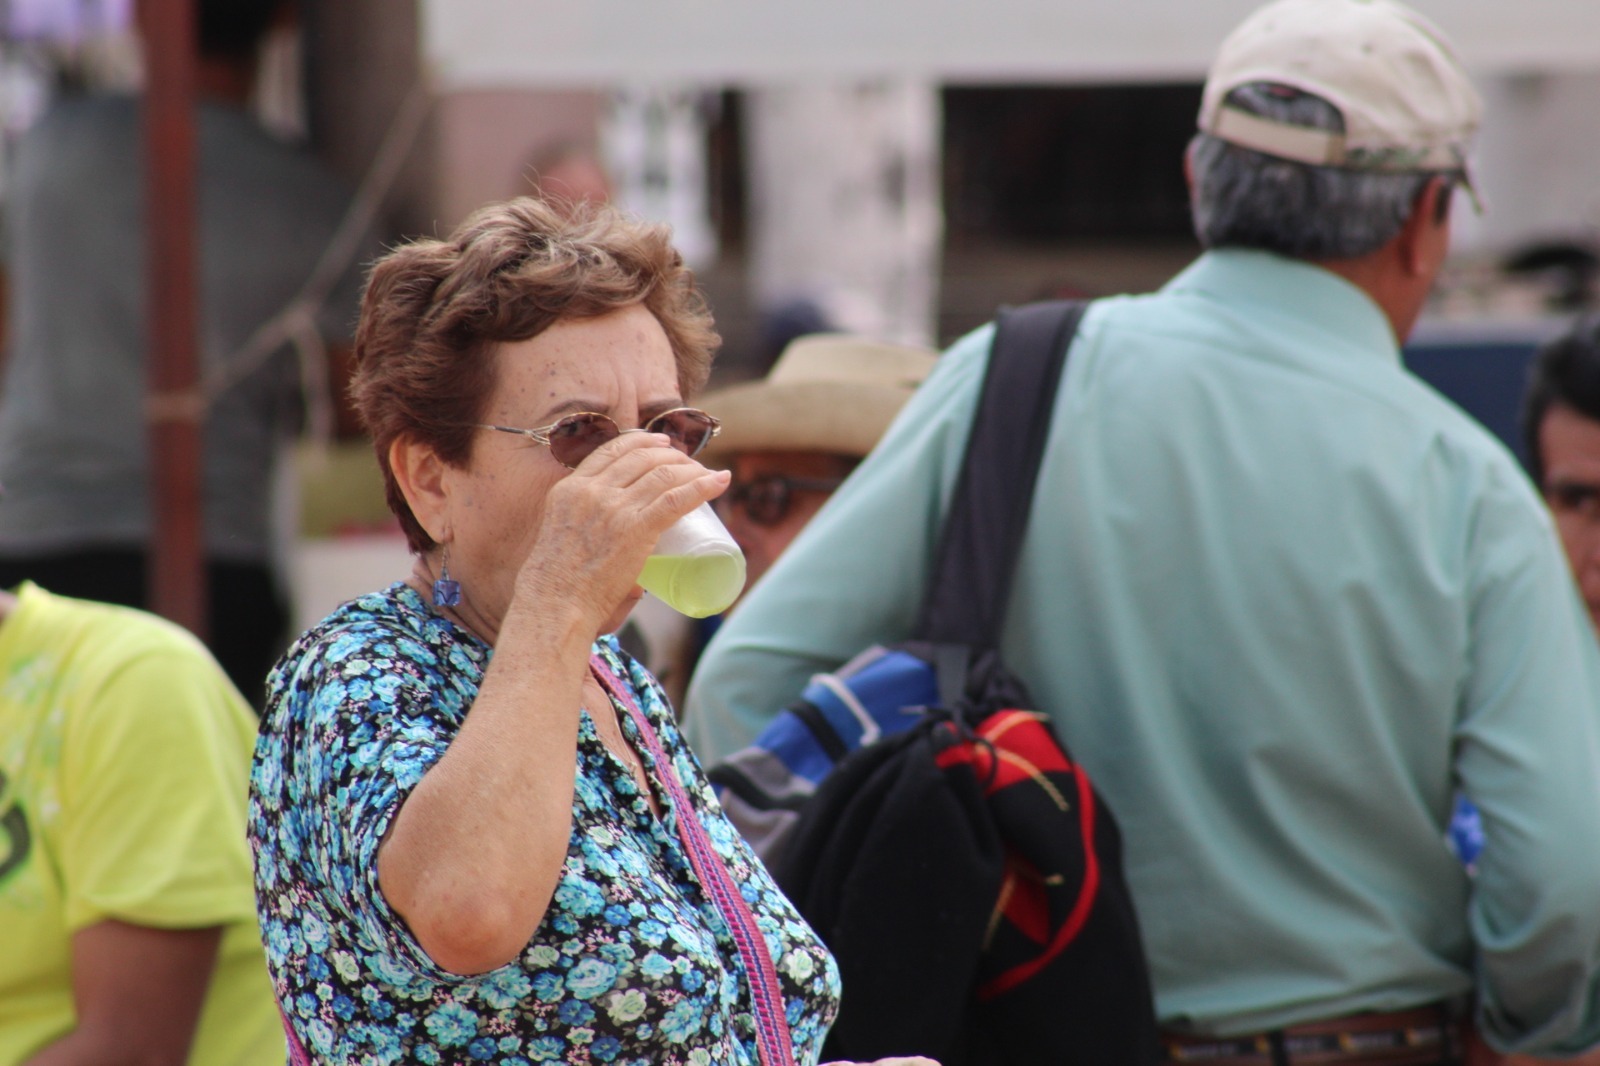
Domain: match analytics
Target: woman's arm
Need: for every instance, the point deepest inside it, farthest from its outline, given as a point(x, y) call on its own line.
point(475, 853)
point(473, 857)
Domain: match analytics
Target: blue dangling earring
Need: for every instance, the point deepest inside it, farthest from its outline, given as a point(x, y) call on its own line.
point(446, 593)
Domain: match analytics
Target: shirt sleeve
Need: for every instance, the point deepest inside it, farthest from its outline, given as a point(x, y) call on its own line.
point(855, 574)
point(370, 718)
point(1529, 758)
point(154, 778)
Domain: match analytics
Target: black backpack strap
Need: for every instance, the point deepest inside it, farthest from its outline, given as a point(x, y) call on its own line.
point(976, 555)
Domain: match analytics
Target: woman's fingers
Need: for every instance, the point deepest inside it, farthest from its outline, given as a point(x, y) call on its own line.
point(632, 457)
point(600, 522)
point(643, 475)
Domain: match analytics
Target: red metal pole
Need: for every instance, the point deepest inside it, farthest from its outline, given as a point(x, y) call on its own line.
point(175, 405)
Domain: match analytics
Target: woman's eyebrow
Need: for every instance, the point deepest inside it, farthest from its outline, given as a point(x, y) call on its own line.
point(560, 410)
point(647, 411)
point(650, 410)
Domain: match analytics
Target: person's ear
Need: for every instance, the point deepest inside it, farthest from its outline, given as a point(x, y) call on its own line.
point(1421, 252)
point(423, 480)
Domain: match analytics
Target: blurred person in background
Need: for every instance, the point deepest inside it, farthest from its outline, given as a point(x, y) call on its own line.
point(790, 439)
point(1561, 431)
point(568, 173)
point(478, 832)
point(127, 921)
point(73, 429)
point(1280, 598)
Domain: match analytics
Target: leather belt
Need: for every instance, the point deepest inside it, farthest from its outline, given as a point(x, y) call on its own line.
point(1424, 1036)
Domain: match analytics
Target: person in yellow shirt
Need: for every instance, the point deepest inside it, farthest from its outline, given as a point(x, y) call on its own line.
point(127, 913)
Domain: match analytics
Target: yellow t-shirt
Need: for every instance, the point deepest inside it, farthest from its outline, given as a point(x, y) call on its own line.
point(124, 766)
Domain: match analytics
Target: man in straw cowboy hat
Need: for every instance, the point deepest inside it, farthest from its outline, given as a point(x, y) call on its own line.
point(790, 438)
point(1281, 599)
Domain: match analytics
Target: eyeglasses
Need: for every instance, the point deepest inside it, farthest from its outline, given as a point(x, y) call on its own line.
point(766, 500)
point(572, 438)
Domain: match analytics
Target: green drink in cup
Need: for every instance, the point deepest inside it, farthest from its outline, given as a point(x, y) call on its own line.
point(696, 568)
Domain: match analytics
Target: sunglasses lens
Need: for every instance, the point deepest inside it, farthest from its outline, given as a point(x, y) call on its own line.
point(574, 437)
point(688, 429)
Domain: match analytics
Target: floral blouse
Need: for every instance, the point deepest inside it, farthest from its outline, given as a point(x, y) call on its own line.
point(633, 963)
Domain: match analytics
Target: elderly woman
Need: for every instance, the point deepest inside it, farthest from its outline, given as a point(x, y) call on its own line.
point(479, 836)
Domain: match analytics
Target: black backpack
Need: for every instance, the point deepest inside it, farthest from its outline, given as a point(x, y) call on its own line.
point(964, 870)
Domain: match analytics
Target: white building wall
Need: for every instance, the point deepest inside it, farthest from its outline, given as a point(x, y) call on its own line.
point(1537, 161)
point(653, 138)
point(499, 42)
point(845, 203)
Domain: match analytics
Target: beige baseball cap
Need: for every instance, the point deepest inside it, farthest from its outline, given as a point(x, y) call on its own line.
point(1406, 101)
point(828, 392)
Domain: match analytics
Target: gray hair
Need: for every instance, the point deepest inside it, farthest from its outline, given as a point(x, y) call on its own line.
point(1245, 199)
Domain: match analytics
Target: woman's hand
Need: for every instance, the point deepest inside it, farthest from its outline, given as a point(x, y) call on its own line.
point(601, 522)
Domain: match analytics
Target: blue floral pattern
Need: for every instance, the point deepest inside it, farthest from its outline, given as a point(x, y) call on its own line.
point(632, 963)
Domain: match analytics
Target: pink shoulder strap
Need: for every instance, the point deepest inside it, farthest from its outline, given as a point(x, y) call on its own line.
point(772, 1026)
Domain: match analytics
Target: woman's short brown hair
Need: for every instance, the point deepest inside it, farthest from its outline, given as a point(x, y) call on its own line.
point(435, 311)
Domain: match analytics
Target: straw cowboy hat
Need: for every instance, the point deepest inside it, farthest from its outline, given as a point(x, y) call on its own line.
point(828, 392)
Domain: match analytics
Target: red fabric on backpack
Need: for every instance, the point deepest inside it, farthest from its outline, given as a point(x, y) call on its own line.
point(1021, 751)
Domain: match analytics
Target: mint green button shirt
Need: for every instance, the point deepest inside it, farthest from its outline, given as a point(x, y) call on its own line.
point(1281, 599)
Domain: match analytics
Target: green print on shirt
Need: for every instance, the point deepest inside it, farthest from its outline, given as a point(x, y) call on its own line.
point(15, 840)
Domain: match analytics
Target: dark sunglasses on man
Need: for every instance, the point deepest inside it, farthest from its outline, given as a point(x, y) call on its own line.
point(766, 500)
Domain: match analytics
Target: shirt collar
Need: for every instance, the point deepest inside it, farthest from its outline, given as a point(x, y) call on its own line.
point(1268, 287)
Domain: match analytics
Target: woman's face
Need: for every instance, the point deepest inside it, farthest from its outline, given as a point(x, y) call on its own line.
point(621, 365)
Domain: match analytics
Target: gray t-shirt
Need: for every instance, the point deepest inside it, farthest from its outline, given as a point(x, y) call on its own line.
point(73, 437)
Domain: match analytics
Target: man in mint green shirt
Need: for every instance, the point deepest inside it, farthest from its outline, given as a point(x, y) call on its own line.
point(1279, 597)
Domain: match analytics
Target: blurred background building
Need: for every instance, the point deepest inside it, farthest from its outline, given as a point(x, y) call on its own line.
point(895, 168)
